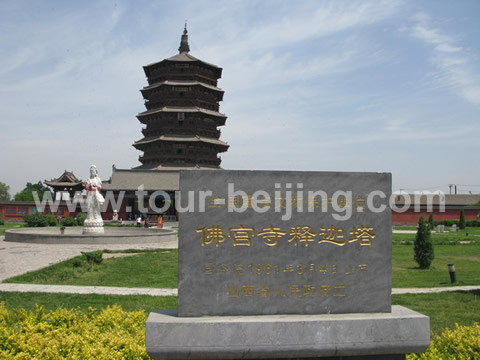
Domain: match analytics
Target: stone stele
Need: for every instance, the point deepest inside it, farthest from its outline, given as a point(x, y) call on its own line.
point(287, 265)
point(333, 259)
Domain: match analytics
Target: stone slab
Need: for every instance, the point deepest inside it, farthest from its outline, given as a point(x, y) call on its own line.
point(322, 261)
point(74, 235)
point(286, 336)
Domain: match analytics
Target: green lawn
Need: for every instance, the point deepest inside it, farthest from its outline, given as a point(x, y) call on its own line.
point(7, 226)
point(147, 269)
point(17, 300)
point(444, 309)
point(159, 269)
point(407, 274)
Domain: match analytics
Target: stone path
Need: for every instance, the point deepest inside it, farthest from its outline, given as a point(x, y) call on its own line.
point(102, 290)
point(400, 291)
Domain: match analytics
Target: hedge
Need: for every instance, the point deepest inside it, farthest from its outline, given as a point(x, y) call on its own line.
point(71, 334)
point(461, 343)
point(116, 334)
point(468, 223)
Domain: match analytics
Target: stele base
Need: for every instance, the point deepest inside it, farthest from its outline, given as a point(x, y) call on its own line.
point(341, 336)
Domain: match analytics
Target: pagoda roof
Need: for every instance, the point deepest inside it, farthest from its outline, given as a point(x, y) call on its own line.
point(190, 109)
point(182, 57)
point(67, 179)
point(180, 138)
point(182, 83)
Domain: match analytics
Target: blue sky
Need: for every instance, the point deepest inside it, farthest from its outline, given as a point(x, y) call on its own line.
point(384, 86)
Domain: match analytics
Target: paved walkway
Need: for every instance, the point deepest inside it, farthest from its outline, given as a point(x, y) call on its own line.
point(400, 291)
point(102, 290)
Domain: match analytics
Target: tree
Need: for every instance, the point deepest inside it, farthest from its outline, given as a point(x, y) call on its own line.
point(462, 223)
point(27, 193)
point(4, 192)
point(431, 222)
point(423, 246)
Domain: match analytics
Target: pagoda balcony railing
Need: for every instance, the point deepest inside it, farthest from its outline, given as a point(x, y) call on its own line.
point(175, 157)
point(200, 131)
point(195, 92)
point(190, 70)
point(201, 76)
point(174, 153)
point(151, 105)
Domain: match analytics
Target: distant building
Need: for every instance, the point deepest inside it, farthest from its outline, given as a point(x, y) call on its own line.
point(181, 130)
point(424, 205)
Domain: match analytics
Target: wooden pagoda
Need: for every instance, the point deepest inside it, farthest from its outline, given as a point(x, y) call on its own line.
point(182, 116)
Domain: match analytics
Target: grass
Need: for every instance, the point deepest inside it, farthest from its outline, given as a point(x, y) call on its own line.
point(157, 269)
point(8, 226)
point(407, 274)
point(17, 300)
point(444, 309)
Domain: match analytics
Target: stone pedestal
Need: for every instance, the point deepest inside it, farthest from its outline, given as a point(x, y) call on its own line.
point(93, 227)
point(340, 336)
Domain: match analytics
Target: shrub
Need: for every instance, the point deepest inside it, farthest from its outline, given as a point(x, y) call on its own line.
point(71, 334)
point(93, 257)
point(35, 220)
point(446, 222)
point(423, 246)
point(68, 221)
point(461, 223)
point(2, 222)
point(431, 223)
point(51, 220)
point(473, 223)
point(80, 218)
point(463, 343)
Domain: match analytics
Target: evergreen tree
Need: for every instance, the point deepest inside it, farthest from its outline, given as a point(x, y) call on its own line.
point(431, 222)
point(462, 223)
point(423, 246)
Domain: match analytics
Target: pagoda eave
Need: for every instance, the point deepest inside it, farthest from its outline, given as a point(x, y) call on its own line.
point(180, 139)
point(182, 83)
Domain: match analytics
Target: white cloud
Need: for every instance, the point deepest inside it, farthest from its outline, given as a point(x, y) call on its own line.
point(453, 62)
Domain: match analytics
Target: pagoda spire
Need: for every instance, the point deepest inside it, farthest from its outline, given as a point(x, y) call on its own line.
point(184, 48)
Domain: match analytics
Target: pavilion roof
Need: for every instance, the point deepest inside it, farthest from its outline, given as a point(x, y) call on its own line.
point(67, 179)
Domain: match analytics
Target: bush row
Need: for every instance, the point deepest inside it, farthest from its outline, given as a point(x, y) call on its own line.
point(2, 222)
point(461, 343)
point(71, 334)
point(116, 334)
point(41, 220)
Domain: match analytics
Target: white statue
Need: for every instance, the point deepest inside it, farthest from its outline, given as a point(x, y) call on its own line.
point(94, 222)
